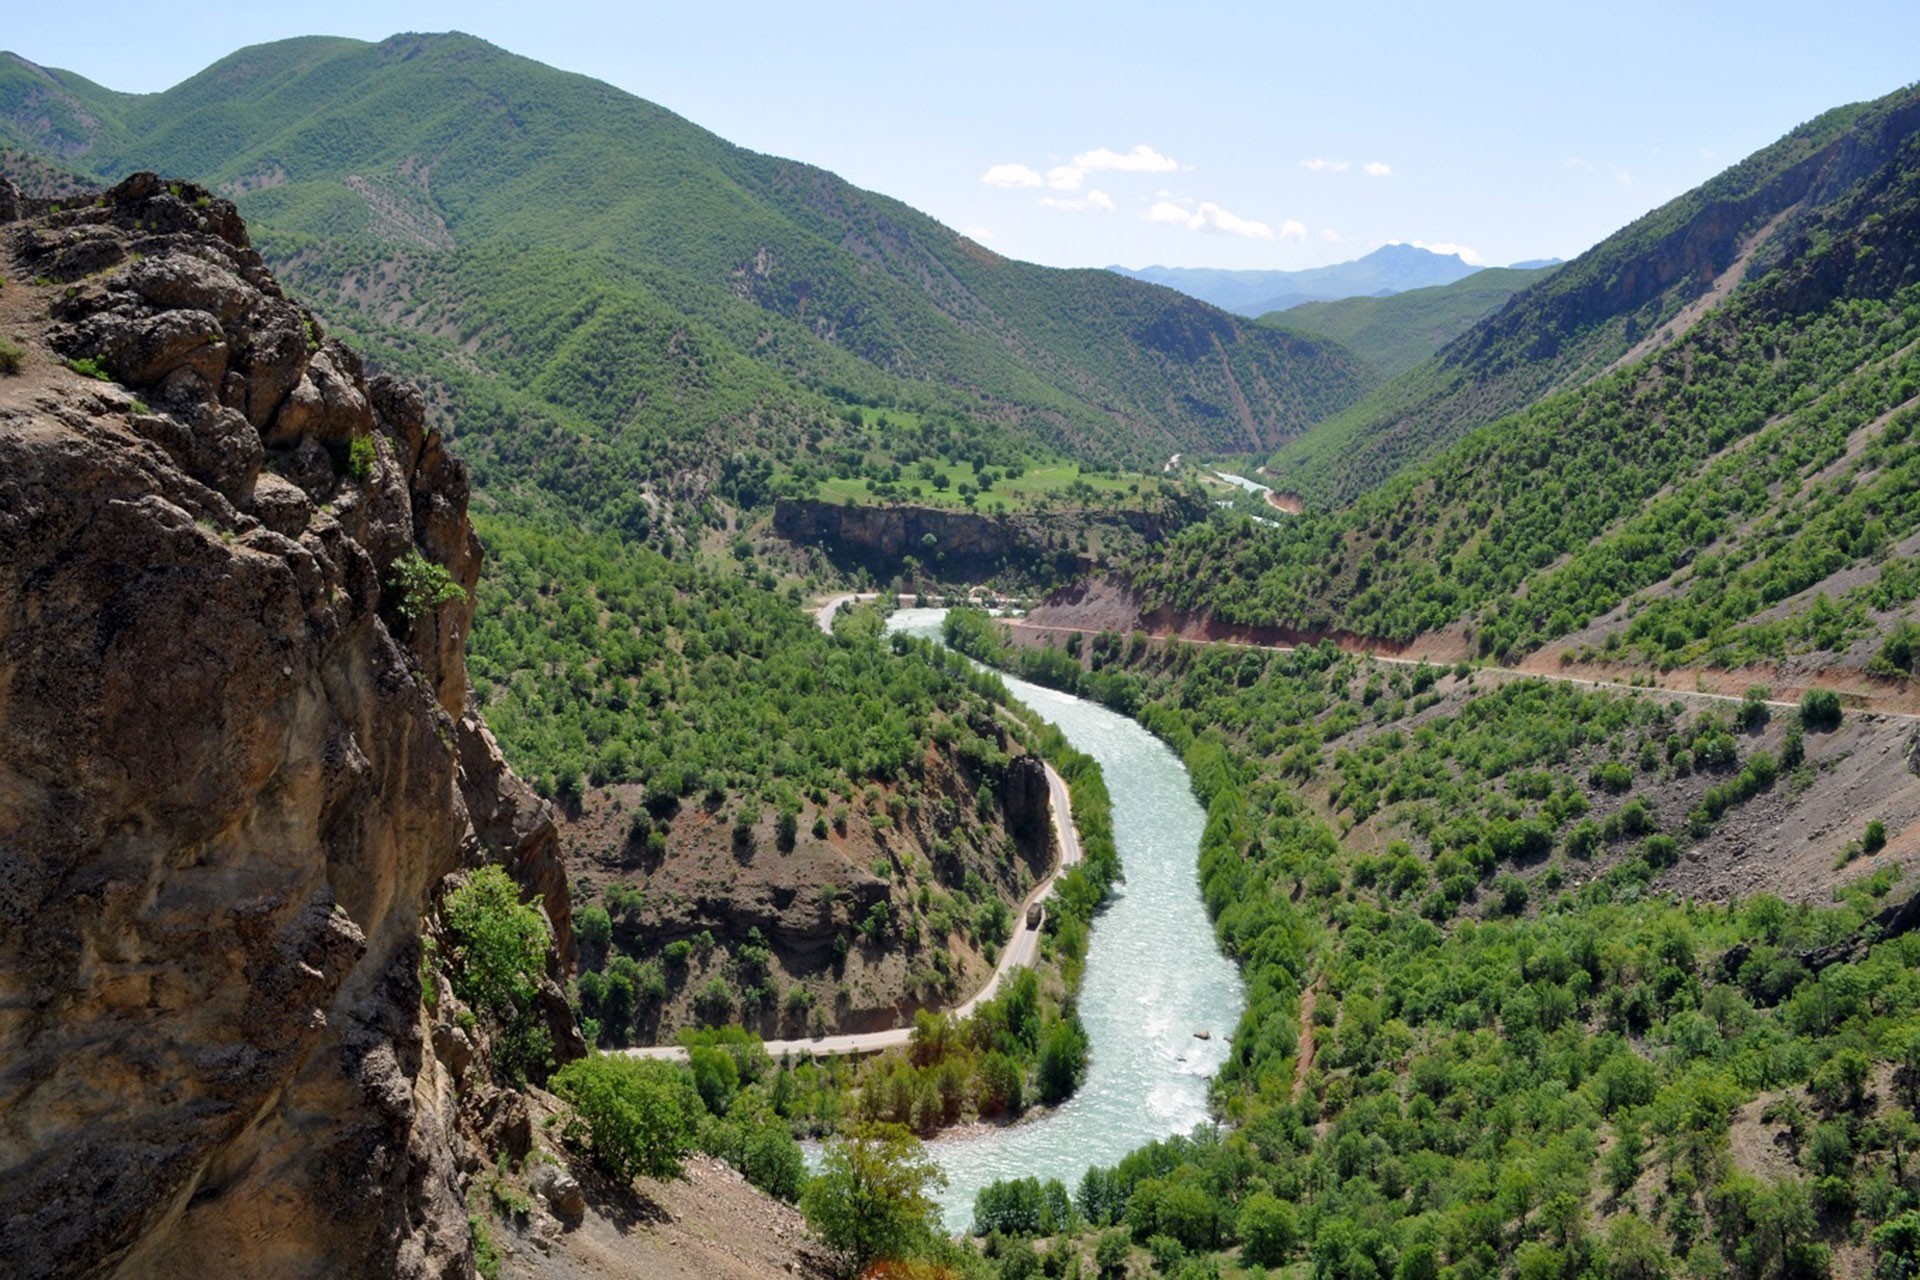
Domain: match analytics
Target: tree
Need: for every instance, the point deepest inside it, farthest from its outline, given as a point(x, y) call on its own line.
point(1269, 1230)
point(871, 1198)
point(1633, 1251)
point(633, 1115)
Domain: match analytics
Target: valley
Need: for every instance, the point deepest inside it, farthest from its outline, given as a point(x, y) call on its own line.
point(1436, 795)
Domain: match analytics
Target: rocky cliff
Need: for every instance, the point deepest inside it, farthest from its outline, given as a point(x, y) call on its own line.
point(236, 763)
point(962, 546)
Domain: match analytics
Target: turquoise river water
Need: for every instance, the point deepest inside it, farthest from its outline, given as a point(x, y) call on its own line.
point(1154, 977)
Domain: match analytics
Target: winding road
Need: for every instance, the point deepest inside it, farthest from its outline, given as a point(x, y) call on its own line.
point(1019, 953)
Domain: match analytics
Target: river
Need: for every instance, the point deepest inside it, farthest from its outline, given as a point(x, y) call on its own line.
point(1154, 973)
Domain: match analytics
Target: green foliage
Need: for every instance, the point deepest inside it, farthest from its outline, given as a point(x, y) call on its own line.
point(597, 661)
point(1588, 313)
point(870, 1199)
point(418, 585)
point(1473, 1059)
point(654, 296)
point(498, 953)
point(1820, 710)
point(487, 1258)
point(12, 358)
point(88, 367)
point(636, 1117)
point(1399, 331)
point(1707, 492)
point(361, 454)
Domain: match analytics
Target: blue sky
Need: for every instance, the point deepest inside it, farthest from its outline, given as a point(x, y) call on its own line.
point(1226, 135)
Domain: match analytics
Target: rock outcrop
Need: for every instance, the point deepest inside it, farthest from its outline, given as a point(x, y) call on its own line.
point(963, 545)
point(236, 761)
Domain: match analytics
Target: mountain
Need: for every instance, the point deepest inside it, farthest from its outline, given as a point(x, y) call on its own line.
point(1636, 292)
point(1397, 332)
point(1391, 268)
point(1728, 484)
point(602, 287)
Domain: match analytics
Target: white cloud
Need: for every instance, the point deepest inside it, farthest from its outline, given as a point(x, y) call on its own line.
point(1010, 175)
point(980, 234)
point(1096, 200)
point(1065, 178)
point(1211, 217)
point(1575, 162)
point(1142, 159)
point(1467, 255)
point(1374, 169)
point(1326, 166)
point(1622, 177)
point(1332, 237)
point(1291, 229)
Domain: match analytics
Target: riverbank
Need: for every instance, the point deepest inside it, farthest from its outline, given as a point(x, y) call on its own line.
point(1022, 949)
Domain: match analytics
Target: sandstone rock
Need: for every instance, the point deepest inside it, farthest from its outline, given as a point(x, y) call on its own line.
point(280, 505)
point(230, 784)
point(561, 1190)
point(328, 403)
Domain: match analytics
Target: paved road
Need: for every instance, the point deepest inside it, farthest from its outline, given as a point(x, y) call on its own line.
point(833, 605)
point(1021, 950)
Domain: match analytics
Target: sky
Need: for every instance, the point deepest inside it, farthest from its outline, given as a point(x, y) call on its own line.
point(1276, 135)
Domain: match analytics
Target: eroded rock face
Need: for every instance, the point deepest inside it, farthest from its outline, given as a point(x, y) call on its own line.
point(232, 773)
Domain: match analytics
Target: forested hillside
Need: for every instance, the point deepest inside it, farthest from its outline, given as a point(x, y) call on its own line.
point(1634, 293)
point(484, 220)
point(1745, 494)
point(1397, 332)
point(1497, 1023)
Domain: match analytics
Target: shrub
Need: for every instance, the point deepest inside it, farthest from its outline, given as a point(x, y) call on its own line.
point(635, 1117)
point(360, 458)
point(1820, 710)
point(12, 358)
point(418, 585)
point(499, 954)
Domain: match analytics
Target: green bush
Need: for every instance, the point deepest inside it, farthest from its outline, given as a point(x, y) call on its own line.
point(360, 458)
point(499, 956)
point(418, 585)
point(12, 358)
point(1820, 710)
point(634, 1116)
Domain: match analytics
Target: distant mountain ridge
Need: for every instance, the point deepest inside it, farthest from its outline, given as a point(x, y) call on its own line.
point(1392, 268)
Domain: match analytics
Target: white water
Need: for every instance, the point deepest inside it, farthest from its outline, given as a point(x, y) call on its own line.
point(1251, 486)
point(1154, 973)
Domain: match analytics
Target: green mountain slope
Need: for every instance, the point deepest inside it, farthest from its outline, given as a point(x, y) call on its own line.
point(1636, 291)
point(1399, 331)
point(1747, 493)
point(494, 214)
